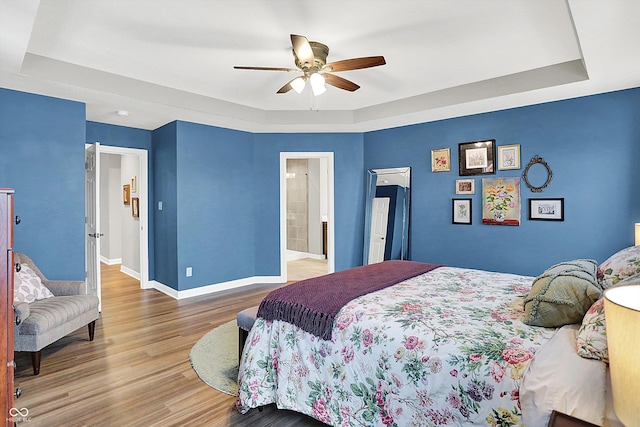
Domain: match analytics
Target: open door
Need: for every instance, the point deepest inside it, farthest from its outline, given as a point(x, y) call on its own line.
point(92, 219)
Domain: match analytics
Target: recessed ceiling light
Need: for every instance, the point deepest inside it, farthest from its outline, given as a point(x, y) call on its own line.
point(122, 113)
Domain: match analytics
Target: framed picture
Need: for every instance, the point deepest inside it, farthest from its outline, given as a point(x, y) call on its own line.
point(461, 211)
point(501, 201)
point(465, 186)
point(135, 207)
point(126, 194)
point(133, 184)
point(546, 209)
point(509, 157)
point(441, 160)
point(477, 157)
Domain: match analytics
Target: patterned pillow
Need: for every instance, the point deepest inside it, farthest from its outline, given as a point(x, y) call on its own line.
point(562, 294)
point(592, 336)
point(619, 266)
point(28, 287)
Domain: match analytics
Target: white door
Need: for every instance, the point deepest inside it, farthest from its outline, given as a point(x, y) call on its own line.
point(379, 220)
point(92, 214)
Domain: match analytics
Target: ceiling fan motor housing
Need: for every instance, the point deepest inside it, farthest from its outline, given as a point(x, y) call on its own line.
point(320, 53)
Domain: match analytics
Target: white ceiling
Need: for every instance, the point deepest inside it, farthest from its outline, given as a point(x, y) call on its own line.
point(163, 60)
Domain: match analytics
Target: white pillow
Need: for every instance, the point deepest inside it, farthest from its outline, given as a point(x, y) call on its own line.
point(559, 379)
point(28, 287)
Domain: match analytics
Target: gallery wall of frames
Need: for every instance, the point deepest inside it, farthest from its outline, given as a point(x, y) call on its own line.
point(501, 196)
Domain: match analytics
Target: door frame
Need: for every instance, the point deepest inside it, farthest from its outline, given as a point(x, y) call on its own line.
point(284, 156)
point(143, 196)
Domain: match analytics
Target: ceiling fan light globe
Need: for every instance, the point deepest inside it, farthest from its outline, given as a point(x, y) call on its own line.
point(298, 84)
point(317, 84)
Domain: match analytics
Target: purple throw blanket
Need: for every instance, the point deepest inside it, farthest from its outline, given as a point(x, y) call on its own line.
point(313, 304)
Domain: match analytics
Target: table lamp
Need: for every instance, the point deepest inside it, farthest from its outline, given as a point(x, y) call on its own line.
point(622, 313)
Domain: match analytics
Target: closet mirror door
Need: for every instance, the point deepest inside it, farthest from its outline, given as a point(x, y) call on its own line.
point(386, 224)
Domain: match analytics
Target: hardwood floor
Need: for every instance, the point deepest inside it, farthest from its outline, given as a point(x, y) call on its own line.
point(137, 372)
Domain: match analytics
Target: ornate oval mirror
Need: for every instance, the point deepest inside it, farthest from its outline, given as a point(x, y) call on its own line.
point(538, 172)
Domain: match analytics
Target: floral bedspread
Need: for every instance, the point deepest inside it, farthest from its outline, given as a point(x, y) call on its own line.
point(443, 348)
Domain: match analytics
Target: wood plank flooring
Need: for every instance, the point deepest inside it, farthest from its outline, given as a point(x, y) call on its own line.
point(137, 372)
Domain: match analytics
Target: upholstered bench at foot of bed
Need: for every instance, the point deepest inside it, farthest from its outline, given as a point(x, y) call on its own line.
point(246, 318)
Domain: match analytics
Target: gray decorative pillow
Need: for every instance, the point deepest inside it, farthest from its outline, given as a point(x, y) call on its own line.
point(28, 287)
point(562, 294)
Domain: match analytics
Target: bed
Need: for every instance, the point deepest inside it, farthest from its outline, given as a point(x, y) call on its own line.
point(445, 347)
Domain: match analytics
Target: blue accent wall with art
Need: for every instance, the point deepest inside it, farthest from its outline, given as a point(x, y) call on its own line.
point(42, 158)
point(592, 145)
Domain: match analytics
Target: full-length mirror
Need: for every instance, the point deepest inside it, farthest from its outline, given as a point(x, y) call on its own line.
point(386, 223)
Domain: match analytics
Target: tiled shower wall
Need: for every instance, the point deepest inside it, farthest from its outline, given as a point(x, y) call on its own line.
point(297, 205)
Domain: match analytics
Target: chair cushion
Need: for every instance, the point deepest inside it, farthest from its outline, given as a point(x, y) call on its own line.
point(246, 318)
point(49, 313)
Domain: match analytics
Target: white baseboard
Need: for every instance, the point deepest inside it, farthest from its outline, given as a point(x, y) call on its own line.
point(110, 261)
point(295, 255)
point(129, 272)
point(212, 289)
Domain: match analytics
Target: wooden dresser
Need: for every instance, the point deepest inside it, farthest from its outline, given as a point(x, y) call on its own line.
point(6, 304)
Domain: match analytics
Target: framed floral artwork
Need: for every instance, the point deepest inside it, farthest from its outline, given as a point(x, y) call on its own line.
point(465, 186)
point(501, 201)
point(509, 157)
point(477, 157)
point(546, 209)
point(461, 211)
point(441, 160)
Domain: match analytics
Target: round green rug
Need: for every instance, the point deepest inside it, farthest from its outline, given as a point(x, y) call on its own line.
point(215, 358)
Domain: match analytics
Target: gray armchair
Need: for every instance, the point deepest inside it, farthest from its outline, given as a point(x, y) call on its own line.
point(43, 322)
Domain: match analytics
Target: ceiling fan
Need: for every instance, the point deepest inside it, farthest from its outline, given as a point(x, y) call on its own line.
point(311, 60)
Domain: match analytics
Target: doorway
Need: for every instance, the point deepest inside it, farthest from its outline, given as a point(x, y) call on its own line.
point(118, 212)
point(306, 215)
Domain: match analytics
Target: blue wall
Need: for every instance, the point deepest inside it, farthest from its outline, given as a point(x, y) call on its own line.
point(119, 136)
point(215, 202)
point(214, 181)
point(42, 158)
point(126, 137)
point(348, 199)
point(165, 248)
point(592, 145)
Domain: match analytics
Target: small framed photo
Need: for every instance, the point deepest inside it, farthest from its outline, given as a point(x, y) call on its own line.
point(441, 160)
point(126, 194)
point(546, 209)
point(477, 157)
point(133, 184)
point(461, 211)
point(465, 186)
point(509, 157)
point(135, 207)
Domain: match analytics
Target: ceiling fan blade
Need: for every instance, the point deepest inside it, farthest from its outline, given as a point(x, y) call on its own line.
point(266, 68)
point(340, 83)
point(302, 49)
point(355, 63)
point(286, 88)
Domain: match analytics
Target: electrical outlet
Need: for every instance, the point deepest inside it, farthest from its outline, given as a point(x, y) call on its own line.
point(189, 271)
point(159, 206)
